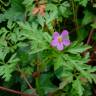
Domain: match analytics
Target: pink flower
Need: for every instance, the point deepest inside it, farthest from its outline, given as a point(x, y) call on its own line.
point(60, 40)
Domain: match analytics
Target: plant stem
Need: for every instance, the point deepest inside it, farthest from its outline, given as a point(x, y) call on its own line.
point(27, 82)
point(14, 91)
point(38, 87)
point(75, 8)
point(24, 77)
point(90, 35)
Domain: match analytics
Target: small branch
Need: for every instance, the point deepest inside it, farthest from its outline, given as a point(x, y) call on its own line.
point(75, 9)
point(14, 91)
point(88, 40)
point(90, 35)
point(27, 82)
point(25, 79)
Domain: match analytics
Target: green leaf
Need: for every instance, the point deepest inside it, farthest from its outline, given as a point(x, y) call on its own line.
point(93, 25)
point(51, 7)
point(47, 37)
point(64, 9)
point(67, 79)
point(6, 70)
point(10, 24)
point(13, 59)
point(13, 13)
point(58, 62)
point(82, 34)
point(52, 13)
point(77, 47)
point(77, 86)
point(82, 2)
point(88, 17)
point(28, 2)
point(37, 49)
point(2, 18)
point(46, 83)
point(25, 25)
point(41, 20)
point(3, 52)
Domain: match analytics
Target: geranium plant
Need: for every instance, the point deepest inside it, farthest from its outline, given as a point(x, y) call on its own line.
point(47, 48)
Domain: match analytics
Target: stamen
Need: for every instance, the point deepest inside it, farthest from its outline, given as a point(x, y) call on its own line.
point(60, 39)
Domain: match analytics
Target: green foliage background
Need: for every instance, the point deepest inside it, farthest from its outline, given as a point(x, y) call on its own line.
point(26, 54)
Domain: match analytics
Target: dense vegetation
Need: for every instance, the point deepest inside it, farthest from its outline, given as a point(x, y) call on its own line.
point(47, 47)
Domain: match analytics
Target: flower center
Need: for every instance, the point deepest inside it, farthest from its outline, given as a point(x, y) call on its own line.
point(59, 39)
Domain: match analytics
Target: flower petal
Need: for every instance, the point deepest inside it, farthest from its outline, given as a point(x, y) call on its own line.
point(60, 46)
point(54, 42)
point(55, 35)
point(64, 33)
point(66, 42)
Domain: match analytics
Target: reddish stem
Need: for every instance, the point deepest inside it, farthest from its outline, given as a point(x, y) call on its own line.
point(90, 35)
point(14, 91)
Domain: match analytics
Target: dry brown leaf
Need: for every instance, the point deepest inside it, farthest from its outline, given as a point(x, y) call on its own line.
point(35, 11)
point(40, 10)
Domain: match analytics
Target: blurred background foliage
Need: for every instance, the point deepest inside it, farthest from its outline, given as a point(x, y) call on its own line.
point(26, 28)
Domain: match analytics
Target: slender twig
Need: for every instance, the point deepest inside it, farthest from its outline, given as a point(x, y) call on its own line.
point(23, 75)
point(75, 9)
point(27, 82)
point(88, 40)
point(30, 86)
point(90, 35)
point(14, 91)
point(25, 79)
